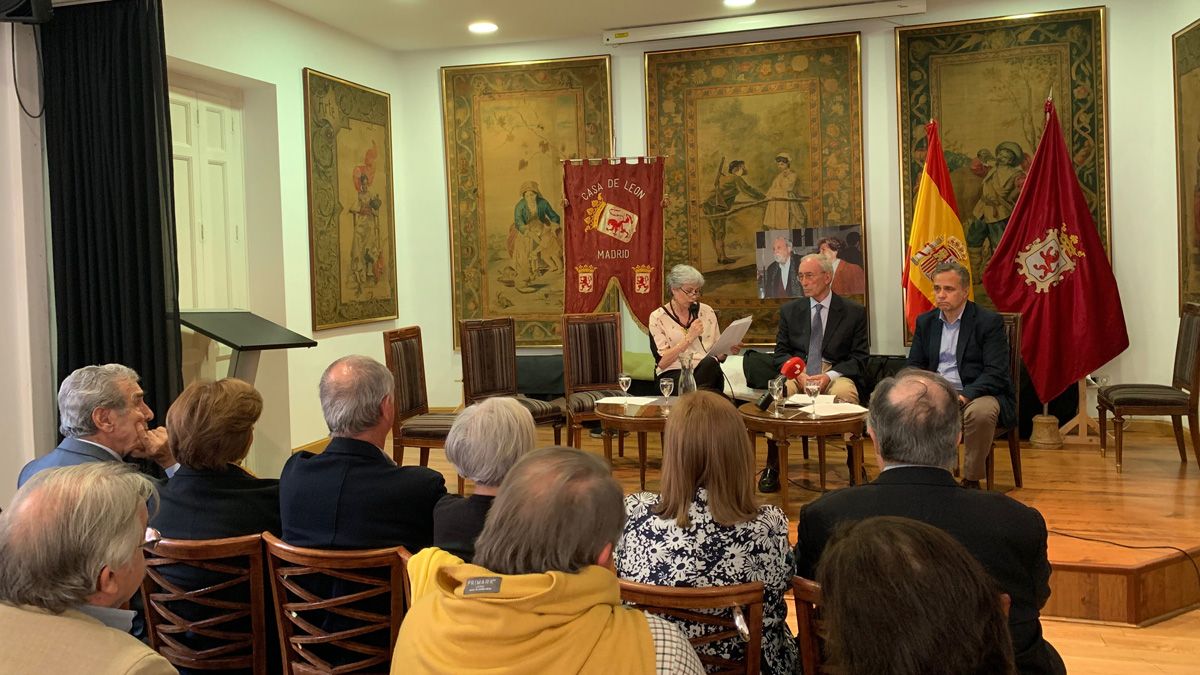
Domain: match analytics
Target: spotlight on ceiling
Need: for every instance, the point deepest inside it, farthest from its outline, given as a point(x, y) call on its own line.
point(482, 27)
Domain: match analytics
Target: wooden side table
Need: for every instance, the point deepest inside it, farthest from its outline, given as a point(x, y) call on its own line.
point(639, 419)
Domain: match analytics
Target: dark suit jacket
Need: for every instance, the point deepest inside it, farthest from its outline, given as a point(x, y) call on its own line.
point(458, 521)
point(74, 451)
point(775, 287)
point(982, 355)
point(1005, 536)
point(352, 497)
point(845, 341)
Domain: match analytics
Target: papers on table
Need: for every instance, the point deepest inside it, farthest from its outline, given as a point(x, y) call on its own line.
point(630, 400)
point(732, 337)
point(825, 405)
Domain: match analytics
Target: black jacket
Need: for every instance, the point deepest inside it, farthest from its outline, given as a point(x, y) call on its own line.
point(844, 345)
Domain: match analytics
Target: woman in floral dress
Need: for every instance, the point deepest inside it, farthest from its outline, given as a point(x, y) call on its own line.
point(705, 529)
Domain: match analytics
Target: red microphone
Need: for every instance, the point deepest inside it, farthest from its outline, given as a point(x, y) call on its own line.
point(793, 368)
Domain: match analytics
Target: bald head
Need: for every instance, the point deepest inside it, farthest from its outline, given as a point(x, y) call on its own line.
point(353, 392)
point(914, 419)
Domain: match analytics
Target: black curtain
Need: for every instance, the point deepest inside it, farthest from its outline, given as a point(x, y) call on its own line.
point(112, 221)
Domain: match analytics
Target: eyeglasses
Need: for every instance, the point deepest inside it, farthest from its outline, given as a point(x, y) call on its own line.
point(693, 293)
point(152, 537)
point(809, 276)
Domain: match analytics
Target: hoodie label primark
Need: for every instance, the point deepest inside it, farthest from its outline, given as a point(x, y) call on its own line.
point(478, 585)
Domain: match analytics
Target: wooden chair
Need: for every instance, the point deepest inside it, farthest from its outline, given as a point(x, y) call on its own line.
point(689, 604)
point(591, 365)
point(1012, 330)
point(807, 596)
point(489, 365)
point(220, 581)
point(335, 608)
point(414, 426)
point(1176, 400)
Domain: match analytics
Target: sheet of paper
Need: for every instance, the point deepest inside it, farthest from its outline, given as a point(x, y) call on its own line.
point(732, 336)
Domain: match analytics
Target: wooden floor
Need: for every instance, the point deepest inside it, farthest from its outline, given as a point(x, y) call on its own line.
point(1155, 501)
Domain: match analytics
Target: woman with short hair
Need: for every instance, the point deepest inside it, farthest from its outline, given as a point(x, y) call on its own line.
point(685, 327)
point(485, 441)
point(705, 529)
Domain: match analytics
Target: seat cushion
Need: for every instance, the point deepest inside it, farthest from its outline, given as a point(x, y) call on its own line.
point(543, 411)
point(1143, 395)
point(432, 425)
point(585, 401)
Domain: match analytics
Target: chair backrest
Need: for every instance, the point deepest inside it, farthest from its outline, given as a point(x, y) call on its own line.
point(406, 360)
point(489, 358)
point(1012, 330)
point(807, 595)
point(337, 609)
point(743, 621)
point(591, 351)
point(1186, 374)
point(204, 603)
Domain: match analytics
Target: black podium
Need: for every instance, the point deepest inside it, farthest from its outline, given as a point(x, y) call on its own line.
point(246, 333)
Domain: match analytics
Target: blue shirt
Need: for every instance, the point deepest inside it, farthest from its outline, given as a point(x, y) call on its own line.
point(948, 353)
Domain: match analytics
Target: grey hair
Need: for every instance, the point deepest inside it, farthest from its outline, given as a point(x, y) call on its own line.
point(64, 526)
point(964, 274)
point(350, 401)
point(87, 389)
point(786, 237)
point(487, 438)
point(916, 419)
point(556, 511)
point(684, 274)
point(826, 265)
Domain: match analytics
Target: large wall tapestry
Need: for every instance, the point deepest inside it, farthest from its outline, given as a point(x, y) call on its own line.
point(986, 83)
point(764, 157)
point(351, 226)
point(1187, 148)
point(508, 127)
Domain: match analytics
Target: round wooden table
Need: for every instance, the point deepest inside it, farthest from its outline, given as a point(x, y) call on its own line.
point(795, 423)
point(639, 419)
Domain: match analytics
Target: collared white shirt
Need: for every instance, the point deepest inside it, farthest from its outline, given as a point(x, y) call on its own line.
point(784, 270)
point(948, 351)
point(113, 617)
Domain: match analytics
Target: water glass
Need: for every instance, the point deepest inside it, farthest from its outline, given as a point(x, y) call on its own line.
point(812, 389)
point(775, 387)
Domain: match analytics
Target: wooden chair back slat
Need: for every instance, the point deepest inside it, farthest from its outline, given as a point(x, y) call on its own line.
point(489, 358)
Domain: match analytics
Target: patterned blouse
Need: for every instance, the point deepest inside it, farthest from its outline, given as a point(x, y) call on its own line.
point(656, 551)
point(666, 332)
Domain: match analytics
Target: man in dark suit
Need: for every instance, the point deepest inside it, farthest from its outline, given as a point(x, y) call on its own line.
point(826, 330)
point(915, 425)
point(966, 344)
point(779, 279)
point(103, 417)
point(352, 495)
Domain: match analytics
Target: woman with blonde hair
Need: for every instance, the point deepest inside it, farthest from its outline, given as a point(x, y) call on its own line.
point(705, 529)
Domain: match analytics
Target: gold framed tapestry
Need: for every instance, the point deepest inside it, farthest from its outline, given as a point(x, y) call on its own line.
point(986, 82)
point(762, 140)
point(351, 222)
point(1186, 51)
point(507, 127)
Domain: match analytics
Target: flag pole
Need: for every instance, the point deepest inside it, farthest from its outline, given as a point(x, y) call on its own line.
point(1082, 422)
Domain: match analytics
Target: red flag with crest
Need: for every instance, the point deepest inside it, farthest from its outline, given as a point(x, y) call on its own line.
point(1051, 268)
point(614, 230)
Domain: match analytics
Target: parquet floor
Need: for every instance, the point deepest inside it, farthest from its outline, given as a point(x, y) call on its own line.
point(1155, 501)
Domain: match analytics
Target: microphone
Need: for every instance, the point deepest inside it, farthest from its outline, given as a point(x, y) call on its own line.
point(693, 311)
point(764, 401)
point(793, 368)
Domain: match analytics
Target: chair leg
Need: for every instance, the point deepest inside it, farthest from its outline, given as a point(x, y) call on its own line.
point(558, 434)
point(397, 454)
point(1194, 423)
point(1102, 413)
point(804, 447)
point(1118, 427)
point(424, 456)
point(462, 484)
point(575, 434)
point(990, 467)
point(1177, 422)
point(1014, 453)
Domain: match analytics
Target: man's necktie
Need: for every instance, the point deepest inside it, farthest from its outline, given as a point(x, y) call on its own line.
point(814, 342)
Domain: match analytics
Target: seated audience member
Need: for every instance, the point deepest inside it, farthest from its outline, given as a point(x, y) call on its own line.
point(211, 426)
point(540, 597)
point(352, 495)
point(882, 568)
point(705, 529)
point(915, 425)
point(70, 556)
point(487, 438)
point(686, 327)
point(103, 418)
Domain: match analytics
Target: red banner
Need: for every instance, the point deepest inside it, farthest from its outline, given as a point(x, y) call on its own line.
point(614, 230)
point(1051, 267)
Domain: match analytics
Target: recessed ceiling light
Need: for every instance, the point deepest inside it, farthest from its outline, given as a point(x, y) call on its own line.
point(484, 27)
point(738, 4)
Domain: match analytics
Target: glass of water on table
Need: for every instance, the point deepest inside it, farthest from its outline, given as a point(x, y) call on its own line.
point(812, 389)
point(624, 380)
point(666, 385)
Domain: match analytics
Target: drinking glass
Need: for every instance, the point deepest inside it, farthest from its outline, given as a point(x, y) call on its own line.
point(666, 385)
point(775, 387)
point(624, 380)
point(812, 389)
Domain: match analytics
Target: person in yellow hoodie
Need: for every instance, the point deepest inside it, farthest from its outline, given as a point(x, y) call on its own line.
point(541, 596)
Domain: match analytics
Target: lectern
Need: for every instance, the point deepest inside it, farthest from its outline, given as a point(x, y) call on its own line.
point(244, 332)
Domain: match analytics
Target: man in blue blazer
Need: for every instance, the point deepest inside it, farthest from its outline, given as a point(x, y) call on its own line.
point(352, 495)
point(966, 344)
point(103, 417)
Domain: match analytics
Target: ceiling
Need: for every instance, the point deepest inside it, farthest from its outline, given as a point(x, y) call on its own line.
point(405, 25)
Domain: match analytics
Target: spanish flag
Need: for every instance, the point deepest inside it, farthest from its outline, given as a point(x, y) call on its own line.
point(937, 233)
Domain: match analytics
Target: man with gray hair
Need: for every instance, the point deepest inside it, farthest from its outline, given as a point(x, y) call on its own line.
point(103, 417)
point(915, 425)
point(541, 596)
point(70, 555)
point(352, 495)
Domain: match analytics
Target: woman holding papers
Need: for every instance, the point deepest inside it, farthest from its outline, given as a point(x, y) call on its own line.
point(686, 326)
